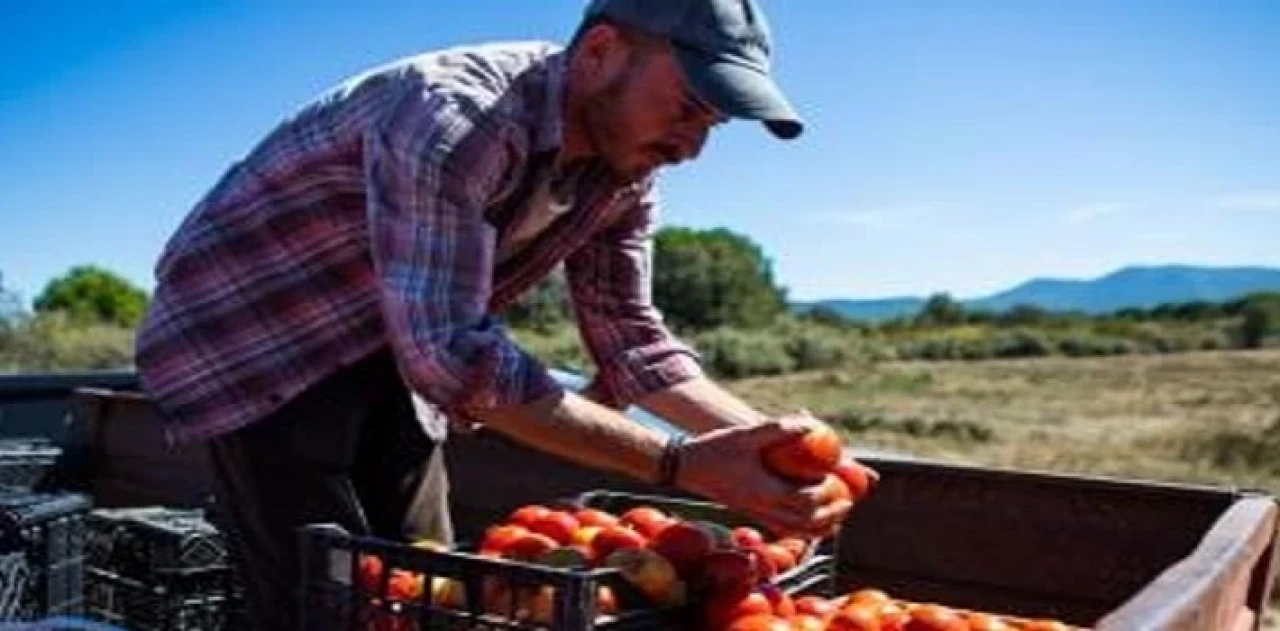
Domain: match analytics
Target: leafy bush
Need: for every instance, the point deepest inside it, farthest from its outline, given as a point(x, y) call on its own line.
point(1020, 343)
point(55, 342)
point(735, 354)
point(544, 307)
point(1213, 341)
point(1023, 315)
point(557, 346)
point(815, 347)
point(706, 279)
point(958, 430)
point(1258, 321)
point(829, 317)
point(1085, 345)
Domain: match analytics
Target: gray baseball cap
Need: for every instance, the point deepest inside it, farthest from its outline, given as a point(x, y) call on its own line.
point(724, 47)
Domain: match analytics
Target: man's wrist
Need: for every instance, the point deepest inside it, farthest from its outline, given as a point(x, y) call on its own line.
point(671, 459)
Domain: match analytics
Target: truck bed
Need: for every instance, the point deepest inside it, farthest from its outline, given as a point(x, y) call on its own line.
point(1108, 553)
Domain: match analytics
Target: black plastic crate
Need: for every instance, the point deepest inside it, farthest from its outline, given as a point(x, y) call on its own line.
point(152, 542)
point(24, 462)
point(192, 600)
point(42, 538)
point(156, 568)
point(338, 594)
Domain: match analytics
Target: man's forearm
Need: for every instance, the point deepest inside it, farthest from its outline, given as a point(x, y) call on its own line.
point(700, 405)
point(582, 431)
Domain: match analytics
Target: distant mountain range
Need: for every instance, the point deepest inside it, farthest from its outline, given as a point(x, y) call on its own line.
point(1136, 286)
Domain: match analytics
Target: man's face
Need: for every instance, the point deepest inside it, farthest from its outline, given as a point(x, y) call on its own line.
point(639, 111)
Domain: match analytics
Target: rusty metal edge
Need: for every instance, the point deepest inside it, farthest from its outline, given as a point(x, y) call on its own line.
point(891, 464)
point(19, 387)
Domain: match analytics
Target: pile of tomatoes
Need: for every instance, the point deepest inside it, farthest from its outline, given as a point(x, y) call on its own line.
point(670, 560)
point(866, 610)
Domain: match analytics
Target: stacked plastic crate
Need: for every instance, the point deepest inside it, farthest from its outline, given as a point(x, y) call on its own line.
point(41, 553)
point(25, 461)
point(159, 569)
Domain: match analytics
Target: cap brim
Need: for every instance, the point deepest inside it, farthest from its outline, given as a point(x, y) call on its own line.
point(741, 91)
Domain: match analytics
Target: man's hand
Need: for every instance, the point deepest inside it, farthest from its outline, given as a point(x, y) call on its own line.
point(725, 466)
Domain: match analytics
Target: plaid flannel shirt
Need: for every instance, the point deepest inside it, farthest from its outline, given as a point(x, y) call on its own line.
point(378, 215)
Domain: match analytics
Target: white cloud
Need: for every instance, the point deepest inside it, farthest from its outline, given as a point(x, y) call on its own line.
point(1089, 212)
point(1256, 202)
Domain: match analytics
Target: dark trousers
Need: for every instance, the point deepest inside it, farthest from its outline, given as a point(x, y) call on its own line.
point(349, 451)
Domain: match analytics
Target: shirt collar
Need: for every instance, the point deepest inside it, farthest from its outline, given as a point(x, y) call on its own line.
point(551, 132)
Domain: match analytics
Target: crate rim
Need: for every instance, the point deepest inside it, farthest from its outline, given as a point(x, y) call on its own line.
point(1082, 481)
point(144, 584)
point(22, 445)
point(358, 544)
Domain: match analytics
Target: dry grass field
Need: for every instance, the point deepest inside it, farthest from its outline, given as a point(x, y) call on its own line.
point(1211, 417)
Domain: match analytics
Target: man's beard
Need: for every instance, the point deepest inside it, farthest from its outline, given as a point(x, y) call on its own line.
point(599, 112)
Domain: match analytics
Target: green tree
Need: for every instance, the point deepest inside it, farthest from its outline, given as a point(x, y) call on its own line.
point(1260, 315)
point(980, 316)
point(827, 316)
point(88, 293)
point(705, 279)
point(9, 309)
point(1163, 311)
point(1023, 315)
point(52, 342)
point(1197, 311)
point(940, 310)
point(10, 304)
point(11, 312)
point(1130, 314)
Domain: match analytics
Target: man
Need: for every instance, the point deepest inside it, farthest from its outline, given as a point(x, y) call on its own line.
point(363, 250)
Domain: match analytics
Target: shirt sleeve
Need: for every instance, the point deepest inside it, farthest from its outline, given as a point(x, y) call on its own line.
point(431, 167)
point(610, 281)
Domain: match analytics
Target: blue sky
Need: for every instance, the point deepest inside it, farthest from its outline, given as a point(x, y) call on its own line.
point(957, 148)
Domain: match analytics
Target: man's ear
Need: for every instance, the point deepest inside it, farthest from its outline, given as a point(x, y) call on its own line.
point(600, 55)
